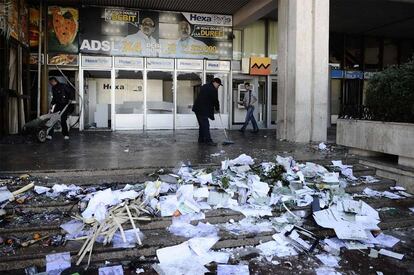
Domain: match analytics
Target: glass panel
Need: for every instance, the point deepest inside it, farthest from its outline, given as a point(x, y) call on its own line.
point(272, 44)
point(254, 39)
point(335, 96)
point(274, 102)
point(129, 92)
point(390, 52)
point(371, 54)
point(237, 45)
point(237, 109)
point(160, 97)
point(97, 98)
point(188, 86)
point(407, 50)
point(353, 53)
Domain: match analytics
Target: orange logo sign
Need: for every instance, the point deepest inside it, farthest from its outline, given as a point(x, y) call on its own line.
point(260, 65)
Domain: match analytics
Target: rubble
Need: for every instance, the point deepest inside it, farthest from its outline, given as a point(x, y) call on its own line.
point(112, 216)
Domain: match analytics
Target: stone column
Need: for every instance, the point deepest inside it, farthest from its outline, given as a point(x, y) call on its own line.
point(303, 50)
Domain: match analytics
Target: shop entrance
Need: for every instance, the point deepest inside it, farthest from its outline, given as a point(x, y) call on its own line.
point(262, 108)
point(97, 99)
point(188, 87)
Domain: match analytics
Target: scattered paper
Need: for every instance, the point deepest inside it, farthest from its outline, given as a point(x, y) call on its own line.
point(326, 271)
point(111, 270)
point(322, 146)
point(56, 263)
point(41, 189)
point(232, 269)
point(328, 260)
point(5, 194)
point(391, 254)
point(386, 240)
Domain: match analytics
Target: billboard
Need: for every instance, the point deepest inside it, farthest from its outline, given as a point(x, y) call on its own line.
point(62, 26)
point(131, 32)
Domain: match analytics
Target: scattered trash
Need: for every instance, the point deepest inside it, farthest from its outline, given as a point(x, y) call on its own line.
point(322, 146)
point(391, 254)
point(232, 269)
point(56, 263)
point(111, 270)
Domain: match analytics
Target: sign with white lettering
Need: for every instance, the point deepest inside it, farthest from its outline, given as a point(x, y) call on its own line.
point(132, 32)
point(190, 64)
point(216, 65)
point(129, 62)
point(160, 64)
point(97, 61)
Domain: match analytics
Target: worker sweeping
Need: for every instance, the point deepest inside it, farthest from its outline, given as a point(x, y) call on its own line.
point(204, 106)
point(62, 95)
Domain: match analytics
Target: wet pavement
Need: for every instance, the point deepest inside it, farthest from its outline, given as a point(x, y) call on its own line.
point(128, 149)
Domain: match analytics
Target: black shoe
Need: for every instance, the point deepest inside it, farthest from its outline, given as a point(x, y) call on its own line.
point(255, 131)
point(241, 130)
point(211, 143)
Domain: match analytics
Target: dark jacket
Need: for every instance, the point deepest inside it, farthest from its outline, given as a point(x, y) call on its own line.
point(62, 94)
point(207, 101)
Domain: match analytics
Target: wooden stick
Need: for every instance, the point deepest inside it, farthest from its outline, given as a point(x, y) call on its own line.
point(133, 225)
point(21, 190)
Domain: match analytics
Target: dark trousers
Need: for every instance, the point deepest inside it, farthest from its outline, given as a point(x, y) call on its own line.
point(63, 120)
point(203, 129)
point(250, 117)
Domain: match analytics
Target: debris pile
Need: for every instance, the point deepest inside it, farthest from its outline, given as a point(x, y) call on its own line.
point(279, 198)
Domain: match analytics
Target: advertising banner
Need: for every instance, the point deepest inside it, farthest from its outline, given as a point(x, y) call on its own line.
point(131, 32)
point(13, 19)
point(34, 15)
point(62, 59)
point(63, 25)
point(24, 23)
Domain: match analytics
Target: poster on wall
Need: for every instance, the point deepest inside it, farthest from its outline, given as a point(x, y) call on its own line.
point(34, 15)
point(62, 59)
point(130, 32)
point(13, 19)
point(63, 26)
point(24, 21)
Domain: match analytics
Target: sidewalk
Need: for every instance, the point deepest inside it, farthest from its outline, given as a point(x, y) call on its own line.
point(122, 150)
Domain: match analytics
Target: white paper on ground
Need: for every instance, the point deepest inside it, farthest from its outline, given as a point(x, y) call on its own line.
point(205, 178)
point(130, 236)
point(111, 270)
point(397, 188)
point(5, 194)
point(232, 269)
point(369, 179)
point(243, 159)
point(328, 260)
point(326, 271)
point(181, 268)
point(405, 194)
point(100, 200)
point(168, 205)
point(56, 263)
point(330, 177)
point(386, 240)
point(200, 245)
point(41, 189)
point(218, 257)
point(189, 231)
point(411, 209)
point(201, 192)
point(391, 254)
point(174, 254)
point(322, 146)
point(152, 188)
point(250, 211)
point(72, 227)
point(352, 245)
point(273, 248)
point(391, 195)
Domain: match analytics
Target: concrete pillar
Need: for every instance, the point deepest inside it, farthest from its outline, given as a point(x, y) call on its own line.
point(303, 49)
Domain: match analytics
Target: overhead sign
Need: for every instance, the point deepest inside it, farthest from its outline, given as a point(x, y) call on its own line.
point(62, 59)
point(260, 65)
point(129, 62)
point(97, 61)
point(132, 32)
point(354, 75)
point(189, 64)
point(216, 65)
point(160, 64)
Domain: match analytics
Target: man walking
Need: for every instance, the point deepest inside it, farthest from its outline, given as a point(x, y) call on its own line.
point(62, 95)
point(204, 106)
point(248, 102)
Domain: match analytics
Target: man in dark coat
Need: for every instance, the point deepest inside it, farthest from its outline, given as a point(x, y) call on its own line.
point(204, 106)
point(62, 95)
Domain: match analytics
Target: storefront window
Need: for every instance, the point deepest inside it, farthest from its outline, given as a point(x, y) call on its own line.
point(97, 99)
point(371, 54)
point(237, 45)
point(390, 52)
point(254, 39)
point(407, 50)
point(272, 42)
point(188, 86)
point(353, 53)
point(129, 92)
